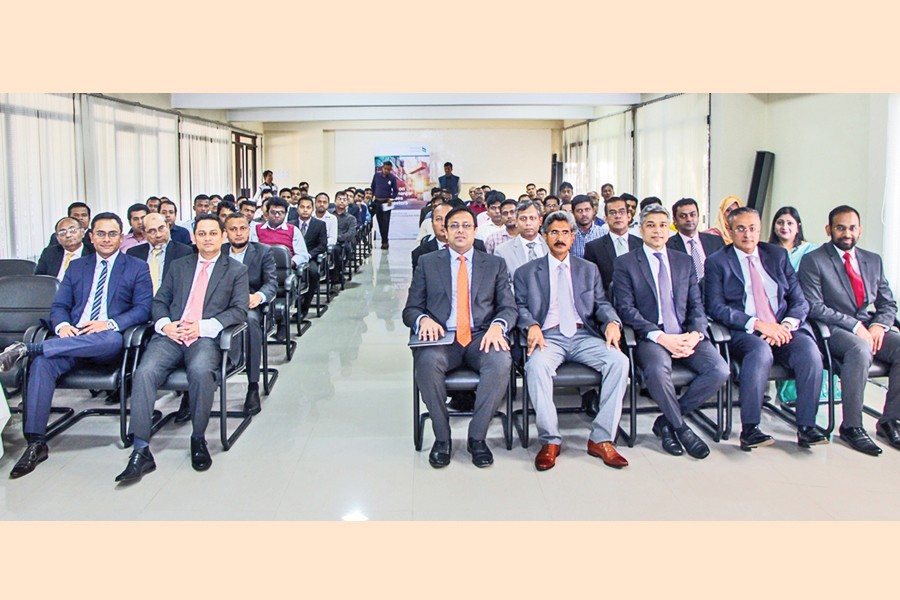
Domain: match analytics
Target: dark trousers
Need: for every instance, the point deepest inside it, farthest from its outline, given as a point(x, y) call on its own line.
point(856, 357)
point(254, 355)
point(313, 274)
point(384, 219)
point(432, 365)
point(801, 355)
point(201, 359)
point(656, 363)
point(61, 355)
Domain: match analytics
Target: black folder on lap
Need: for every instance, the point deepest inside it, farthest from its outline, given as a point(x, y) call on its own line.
point(449, 338)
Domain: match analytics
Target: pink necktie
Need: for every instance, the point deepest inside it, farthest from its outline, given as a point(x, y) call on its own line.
point(763, 308)
point(194, 310)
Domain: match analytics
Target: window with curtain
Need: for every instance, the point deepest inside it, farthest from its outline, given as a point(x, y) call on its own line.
point(610, 156)
point(39, 175)
point(575, 168)
point(206, 160)
point(131, 153)
point(671, 145)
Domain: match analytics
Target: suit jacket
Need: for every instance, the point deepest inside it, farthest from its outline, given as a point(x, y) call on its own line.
point(226, 295)
point(54, 241)
point(827, 288)
point(316, 238)
point(515, 253)
point(724, 284)
point(260, 263)
point(174, 250)
point(431, 290)
point(450, 183)
point(180, 235)
point(129, 294)
point(532, 285)
point(431, 245)
point(602, 253)
point(636, 300)
point(51, 259)
point(710, 243)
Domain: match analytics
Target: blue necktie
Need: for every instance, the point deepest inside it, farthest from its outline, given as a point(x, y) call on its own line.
point(98, 295)
point(666, 299)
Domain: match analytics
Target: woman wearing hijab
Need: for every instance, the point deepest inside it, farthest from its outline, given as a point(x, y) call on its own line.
point(728, 204)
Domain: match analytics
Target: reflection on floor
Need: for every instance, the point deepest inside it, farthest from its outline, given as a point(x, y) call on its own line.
point(334, 441)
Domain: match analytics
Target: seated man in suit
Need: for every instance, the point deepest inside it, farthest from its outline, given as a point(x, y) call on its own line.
point(315, 236)
point(439, 241)
point(479, 321)
point(200, 295)
point(840, 281)
point(168, 210)
point(529, 244)
point(618, 241)
point(81, 212)
point(263, 284)
point(564, 311)
point(670, 326)
point(56, 258)
point(346, 229)
point(160, 250)
point(101, 296)
point(689, 240)
point(752, 289)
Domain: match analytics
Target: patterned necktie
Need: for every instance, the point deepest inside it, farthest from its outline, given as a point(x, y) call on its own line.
point(620, 246)
point(531, 253)
point(699, 268)
point(154, 267)
point(666, 299)
point(98, 295)
point(859, 290)
point(763, 308)
point(463, 329)
point(303, 228)
point(194, 310)
point(565, 302)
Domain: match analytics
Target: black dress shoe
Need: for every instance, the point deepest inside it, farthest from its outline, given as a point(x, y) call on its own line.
point(439, 455)
point(663, 430)
point(481, 454)
point(890, 431)
point(184, 409)
point(140, 462)
point(35, 453)
point(693, 445)
point(810, 436)
point(590, 402)
point(754, 438)
point(11, 355)
point(251, 402)
point(859, 440)
point(200, 458)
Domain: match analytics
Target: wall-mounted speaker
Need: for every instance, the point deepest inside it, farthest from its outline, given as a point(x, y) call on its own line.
point(762, 177)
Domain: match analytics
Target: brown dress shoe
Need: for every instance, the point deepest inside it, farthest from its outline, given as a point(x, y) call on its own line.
point(607, 452)
point(546, 458)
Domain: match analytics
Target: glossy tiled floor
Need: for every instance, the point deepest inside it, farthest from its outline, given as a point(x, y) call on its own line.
point(334, 441)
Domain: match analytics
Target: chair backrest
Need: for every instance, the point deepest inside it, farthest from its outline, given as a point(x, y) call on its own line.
point(282, 263)
point(24, 301)
point(16, 266)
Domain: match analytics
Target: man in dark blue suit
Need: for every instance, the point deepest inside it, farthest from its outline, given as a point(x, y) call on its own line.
point(752, 289)
point(101, 296)
point(656, 293)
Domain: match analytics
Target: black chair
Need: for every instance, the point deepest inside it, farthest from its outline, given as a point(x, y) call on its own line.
point(267, 324)
point(177, 380)
point(16, 266)
point(24, 302)
point(301, 283)
point(321, 303)
point(284, 298)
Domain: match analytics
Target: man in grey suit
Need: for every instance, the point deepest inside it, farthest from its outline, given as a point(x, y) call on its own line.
point(529, 244)
point(840, 282)
point(199, 297)
point(565, 314)
point(478, 321)
point(669, 322)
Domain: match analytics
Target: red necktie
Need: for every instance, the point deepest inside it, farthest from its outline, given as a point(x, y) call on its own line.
point(859, 291)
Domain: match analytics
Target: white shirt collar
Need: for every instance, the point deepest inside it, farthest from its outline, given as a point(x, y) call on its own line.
point(840, 252)
point(743, 255)
point(554, 263)
point(454, 255)
point(284, 225)
point(200, 259)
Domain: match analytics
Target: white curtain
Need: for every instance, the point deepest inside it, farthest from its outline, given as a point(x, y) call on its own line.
point(890, 209)
point(206, 161)
point(131, 153)
point(39, 175)
point(575, 168)
point(671, 140)
point(610, 153)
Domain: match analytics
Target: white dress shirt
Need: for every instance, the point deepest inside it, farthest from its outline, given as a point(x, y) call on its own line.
point(86, 313)
point(654, 269)
point(208, 327)
point(552, 318)
point(768, 284)
point(625, 248)
point(331, 226)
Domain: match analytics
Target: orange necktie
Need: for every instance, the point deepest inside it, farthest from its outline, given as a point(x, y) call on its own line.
point(463, 330)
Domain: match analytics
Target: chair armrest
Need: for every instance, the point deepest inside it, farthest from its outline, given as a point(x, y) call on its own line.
point(128, 335)
point(718, 333)
point(628, 335)
point(228, 334)
point(821, 330)
point(141, 334)
point(35, 334)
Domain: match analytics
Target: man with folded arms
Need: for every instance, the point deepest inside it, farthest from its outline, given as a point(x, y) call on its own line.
point(752, 289)
point(565, 313)
point(669, 323)
point(101, 296)
point(200, 295)
point(465, 293)
point(840, 281)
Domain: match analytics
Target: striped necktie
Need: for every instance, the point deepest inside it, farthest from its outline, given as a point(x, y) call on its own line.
point(98, 295)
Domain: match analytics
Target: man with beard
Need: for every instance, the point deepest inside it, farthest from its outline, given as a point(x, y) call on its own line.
point(587, 230)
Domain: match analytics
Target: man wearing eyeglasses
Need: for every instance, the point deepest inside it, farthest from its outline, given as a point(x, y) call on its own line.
point(276, 231)
point(56, 258)
point(752, 289)
point(81, 212)
point(617, 241)
point(465, 294)
point(101, 296)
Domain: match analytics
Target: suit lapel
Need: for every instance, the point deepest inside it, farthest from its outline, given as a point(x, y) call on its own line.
point(644, 266)
point(115, 277)
point(90, 265)
point(185, 290)
point(868, 274)
point(841, 273)
point(543, 276)
point(446, 275)
point(679, 292)
point(218, 273)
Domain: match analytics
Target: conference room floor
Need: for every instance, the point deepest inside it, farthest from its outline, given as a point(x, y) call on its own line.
point(334, 441)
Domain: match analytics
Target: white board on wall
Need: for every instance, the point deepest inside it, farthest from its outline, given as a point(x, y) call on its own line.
point(511, 155)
